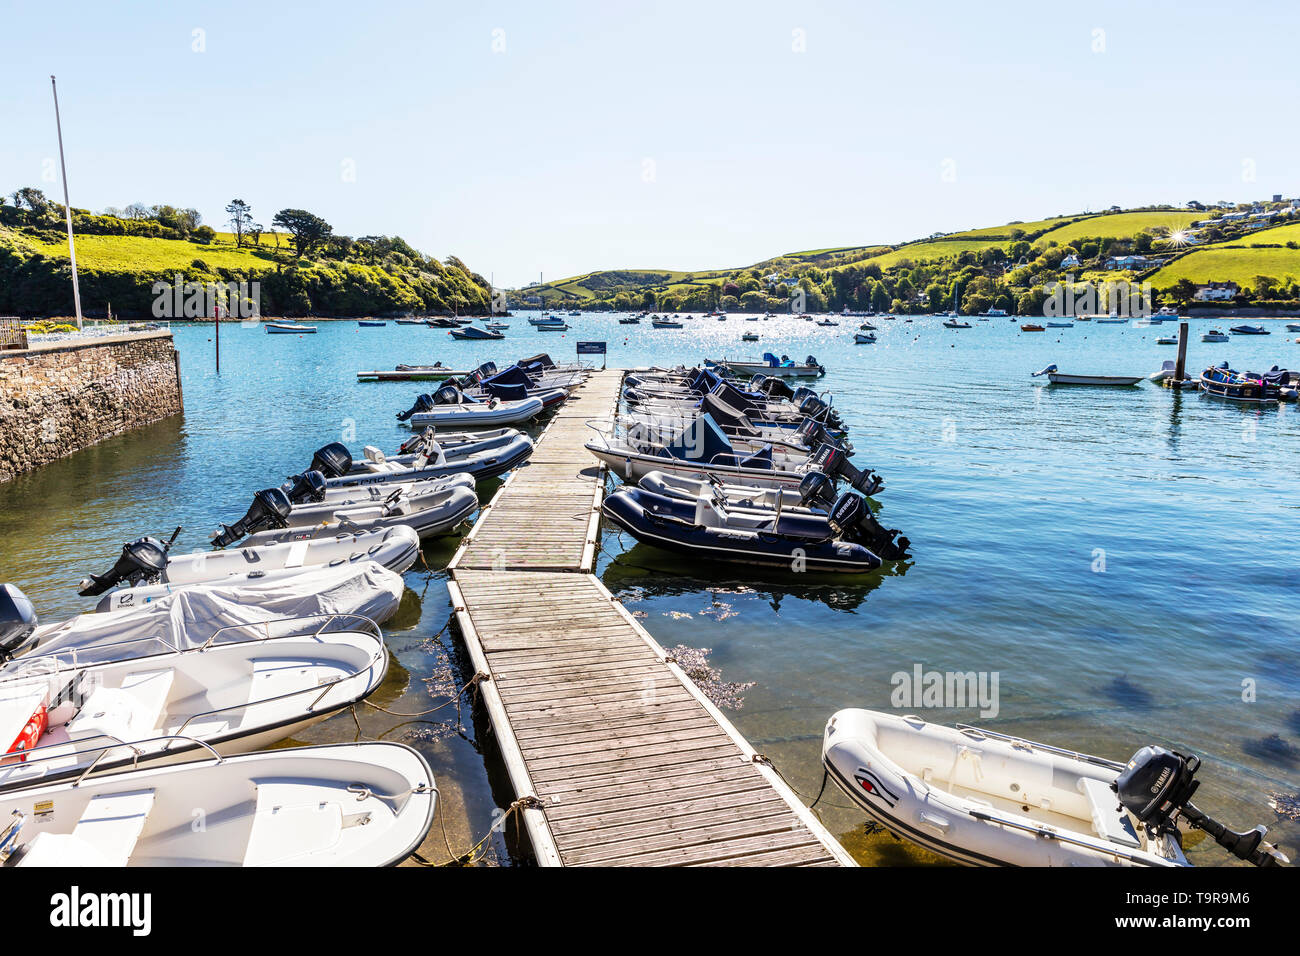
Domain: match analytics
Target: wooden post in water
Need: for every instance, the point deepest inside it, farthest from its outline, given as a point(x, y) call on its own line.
point(216, 316)
point(1180, 370)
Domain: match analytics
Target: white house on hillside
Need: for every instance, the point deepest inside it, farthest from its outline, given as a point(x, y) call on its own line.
point(1070, 262)
point(1216, 291)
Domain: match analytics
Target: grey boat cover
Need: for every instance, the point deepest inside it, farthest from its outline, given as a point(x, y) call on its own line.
point(188, 617)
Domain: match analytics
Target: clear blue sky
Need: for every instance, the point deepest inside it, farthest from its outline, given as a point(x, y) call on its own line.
point(536, 158)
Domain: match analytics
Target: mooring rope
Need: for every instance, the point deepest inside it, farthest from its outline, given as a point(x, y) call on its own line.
point(479, 676)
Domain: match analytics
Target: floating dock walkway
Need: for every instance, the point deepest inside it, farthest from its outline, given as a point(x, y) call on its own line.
point(626, 761)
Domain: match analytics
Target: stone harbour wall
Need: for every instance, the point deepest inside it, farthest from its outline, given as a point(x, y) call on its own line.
point(59, 398)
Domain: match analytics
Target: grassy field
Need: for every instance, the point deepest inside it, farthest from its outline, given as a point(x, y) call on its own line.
point(933, 250)
point(130, 253)
point(1229, 264)
point(1004, 232)
point(1121, 225)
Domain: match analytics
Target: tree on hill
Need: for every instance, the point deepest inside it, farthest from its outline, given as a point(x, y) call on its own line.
point(31, 198)
point(307, 229)
point(241, 219)
point(1183, 290)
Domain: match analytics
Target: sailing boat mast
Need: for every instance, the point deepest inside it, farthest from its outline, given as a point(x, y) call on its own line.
point(67, 204)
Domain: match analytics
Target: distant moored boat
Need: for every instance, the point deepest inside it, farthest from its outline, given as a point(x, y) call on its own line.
point(288, 328)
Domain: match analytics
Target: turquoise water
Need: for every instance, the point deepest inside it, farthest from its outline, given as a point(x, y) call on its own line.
point(1123, 559)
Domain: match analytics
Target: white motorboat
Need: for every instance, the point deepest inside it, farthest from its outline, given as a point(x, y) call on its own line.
point(147, 561)
point(1167, 340)
point(240, 690)
point(771, 365)
point(956, 324)
point(288, 328)
point(429, 508)
point(362, 804)
point(988, 799)
point(486, 458)
point(1065, 378)
point(1214, 335)
point(186, 616)
point(737, 496)
point(863, 338)
point(451, 408)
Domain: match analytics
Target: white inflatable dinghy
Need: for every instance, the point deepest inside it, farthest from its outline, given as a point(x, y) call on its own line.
point(238, 691)
point(988, 799)
point(363, 804)
point(188, 615)
point(427, 508)
point(147, 561)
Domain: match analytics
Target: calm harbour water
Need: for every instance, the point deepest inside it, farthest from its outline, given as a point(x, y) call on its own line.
point(1123, 559)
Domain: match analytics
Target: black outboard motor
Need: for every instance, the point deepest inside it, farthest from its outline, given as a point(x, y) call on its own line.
point(851, 520)
point(142, 561)
point(304, 488)
point(17, 621)
point(333, 460)
point(812, 433)
point(270, 509)
point(423, 403)
point(447, 395)
point(1156, 786)
point(817, 491)
point(834, 462)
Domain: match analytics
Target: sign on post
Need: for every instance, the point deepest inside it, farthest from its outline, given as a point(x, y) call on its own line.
point(592, 348)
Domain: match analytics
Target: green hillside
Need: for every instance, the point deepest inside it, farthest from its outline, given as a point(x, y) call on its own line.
point(1007, 266)
point(119, 261)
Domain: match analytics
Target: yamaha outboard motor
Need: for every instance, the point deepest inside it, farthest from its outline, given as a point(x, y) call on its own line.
point(17, 621)
point(834, 461)
point(851, 520)
point(270, 509)
point(423, 403)
point(1156, 786)
point(301, 489)
point(333, 460)
point(142, 561)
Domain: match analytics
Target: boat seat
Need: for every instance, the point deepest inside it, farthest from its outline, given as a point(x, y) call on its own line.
point(106, 834)
point(373, 454)
point(130, 712)
point(290, 821)
point(1108, 820)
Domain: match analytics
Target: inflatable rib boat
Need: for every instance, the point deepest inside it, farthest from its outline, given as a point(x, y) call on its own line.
point(848, 540)
point(449, 406)
point(986, 799)
point(481, 460)
point(241, 691)
point(365, 804)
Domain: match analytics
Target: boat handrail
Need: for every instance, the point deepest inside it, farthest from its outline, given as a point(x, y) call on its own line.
point(1052, 833)
point(136, 759)
point(367, 626)
point(27, 757)
point(323, 688)
point(1046, 748)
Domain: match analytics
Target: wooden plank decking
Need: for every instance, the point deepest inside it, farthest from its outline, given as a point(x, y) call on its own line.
point(630, 764)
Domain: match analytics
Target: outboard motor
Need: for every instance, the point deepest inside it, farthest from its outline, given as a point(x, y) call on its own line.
point(851, 520)
point(1156, 786)
point(142, 561)
point(834, 462)
point(756, 382)
point(447, 395)
point(270, 509)
point(486, 370)
point(812, 433)
point(309, 486)
point(333, 460)
point(423, 403)
point(801, 393)
point(417, 442)
point(817, 491)
point(812, 360)
point(17, 621)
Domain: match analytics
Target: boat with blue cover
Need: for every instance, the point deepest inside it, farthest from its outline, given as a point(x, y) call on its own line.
point(771, 365)
point(1253, 387)
point(475, 334)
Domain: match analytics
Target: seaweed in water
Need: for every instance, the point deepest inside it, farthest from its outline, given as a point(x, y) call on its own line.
point(1285, 804)
point(695, 662)
point(1272, 748)
point(1127, 694)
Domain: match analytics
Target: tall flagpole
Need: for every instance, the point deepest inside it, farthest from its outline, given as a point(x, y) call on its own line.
point(67, 204)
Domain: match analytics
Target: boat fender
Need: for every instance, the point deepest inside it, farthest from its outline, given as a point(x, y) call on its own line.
point(30, 734)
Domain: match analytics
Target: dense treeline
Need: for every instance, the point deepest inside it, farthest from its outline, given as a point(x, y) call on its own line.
point(306, 269)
